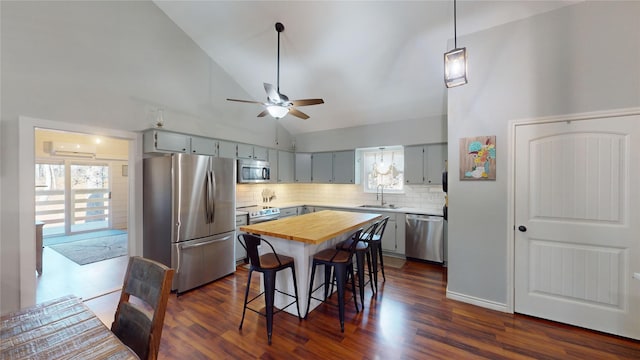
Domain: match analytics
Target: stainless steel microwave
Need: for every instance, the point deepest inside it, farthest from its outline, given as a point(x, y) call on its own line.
point(253, 171)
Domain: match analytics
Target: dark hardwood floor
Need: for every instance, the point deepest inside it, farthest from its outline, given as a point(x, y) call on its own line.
point(410, 318)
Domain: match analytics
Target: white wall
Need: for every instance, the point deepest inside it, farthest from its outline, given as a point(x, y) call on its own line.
point(404, 132)
point(106, 64)
point(581, 58)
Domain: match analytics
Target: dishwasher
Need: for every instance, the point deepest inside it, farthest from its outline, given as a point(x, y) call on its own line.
point(424, 237)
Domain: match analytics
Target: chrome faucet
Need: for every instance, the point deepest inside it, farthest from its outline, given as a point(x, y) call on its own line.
point(381, 187)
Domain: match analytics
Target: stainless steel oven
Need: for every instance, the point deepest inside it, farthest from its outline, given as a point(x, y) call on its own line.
point(258, 214)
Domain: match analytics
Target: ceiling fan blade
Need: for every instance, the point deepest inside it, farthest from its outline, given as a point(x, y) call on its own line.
point(298, 113)
point(263, 113)
point(272, 93)
point(307, 102)
point(246, 101)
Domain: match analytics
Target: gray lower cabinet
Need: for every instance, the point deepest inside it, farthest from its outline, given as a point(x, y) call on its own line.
point(288, 212)
point(391, 242)
point(305, 210)
point(241, 253)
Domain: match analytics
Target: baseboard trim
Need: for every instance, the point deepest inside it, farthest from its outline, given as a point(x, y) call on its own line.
point(477, 301)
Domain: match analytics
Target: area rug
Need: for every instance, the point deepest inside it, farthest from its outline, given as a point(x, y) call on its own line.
point(88, 251)
point(53, 240)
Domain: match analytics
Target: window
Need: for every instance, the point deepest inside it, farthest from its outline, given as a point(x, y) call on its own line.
point(383, 166)
point(72, 197)
point(50, 196)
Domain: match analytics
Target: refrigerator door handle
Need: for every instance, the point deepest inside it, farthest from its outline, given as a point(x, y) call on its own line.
point(213, 195)
point(204, 243)
point(207, 199)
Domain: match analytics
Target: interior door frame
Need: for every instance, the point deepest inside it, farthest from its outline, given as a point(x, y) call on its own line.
point(511, 166)
point(26, 193)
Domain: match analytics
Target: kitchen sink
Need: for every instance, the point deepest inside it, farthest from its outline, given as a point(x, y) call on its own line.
point(388, 206)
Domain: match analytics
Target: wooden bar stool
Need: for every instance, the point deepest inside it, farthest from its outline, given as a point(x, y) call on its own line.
point(268, 264)
point(362, 250)
point(374, 239)
point(340, 261)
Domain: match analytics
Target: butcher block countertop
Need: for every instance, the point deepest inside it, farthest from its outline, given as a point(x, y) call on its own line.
point(313, 228)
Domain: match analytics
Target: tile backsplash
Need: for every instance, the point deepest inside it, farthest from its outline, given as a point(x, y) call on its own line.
point(415, 196)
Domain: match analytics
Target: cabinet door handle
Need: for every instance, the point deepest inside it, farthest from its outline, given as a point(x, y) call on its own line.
point(522, 228)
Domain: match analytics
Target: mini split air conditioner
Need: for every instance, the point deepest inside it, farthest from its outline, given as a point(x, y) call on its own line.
point(72, 149)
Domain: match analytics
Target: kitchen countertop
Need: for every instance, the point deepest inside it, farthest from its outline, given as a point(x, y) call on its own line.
point(313, 228)
point(430, 210)
point(241, 213)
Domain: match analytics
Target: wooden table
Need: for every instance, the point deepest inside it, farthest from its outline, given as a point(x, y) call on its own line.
point(59, 329)
point(301, 237)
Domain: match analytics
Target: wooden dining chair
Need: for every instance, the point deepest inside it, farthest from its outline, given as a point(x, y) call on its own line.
point(138, 323)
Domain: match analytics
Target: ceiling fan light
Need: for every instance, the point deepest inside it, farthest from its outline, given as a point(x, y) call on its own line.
point(455, 67)
point(277, 111)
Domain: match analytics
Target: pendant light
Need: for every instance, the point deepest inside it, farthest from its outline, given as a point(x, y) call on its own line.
point(455, 61)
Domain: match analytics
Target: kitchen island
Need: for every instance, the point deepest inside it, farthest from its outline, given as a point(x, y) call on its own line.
point(301, 237)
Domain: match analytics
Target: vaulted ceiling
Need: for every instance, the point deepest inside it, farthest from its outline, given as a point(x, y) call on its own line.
point(371, 61)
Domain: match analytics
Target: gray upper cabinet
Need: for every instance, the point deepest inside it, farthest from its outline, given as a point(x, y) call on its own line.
point(344, 167)
point(413, 164)
point(303, 167)
point(204, 146)
point(226, 149)
point(260, 153)
point(246, 151)
point(167, 142)
point(434, 163)
point(322, 167)
point(334, 167)
point(286, 161)
point(273, 164)
point(423, 164)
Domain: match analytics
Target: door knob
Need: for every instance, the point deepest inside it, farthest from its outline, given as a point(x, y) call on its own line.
point(522, 228)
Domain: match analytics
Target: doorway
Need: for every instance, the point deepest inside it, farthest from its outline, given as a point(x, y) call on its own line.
point(577, 222)
point(81, 197)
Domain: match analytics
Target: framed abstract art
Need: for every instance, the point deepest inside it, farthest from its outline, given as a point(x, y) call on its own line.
point(478, 158)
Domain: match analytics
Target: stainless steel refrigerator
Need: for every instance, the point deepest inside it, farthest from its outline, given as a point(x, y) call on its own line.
point(189, 216)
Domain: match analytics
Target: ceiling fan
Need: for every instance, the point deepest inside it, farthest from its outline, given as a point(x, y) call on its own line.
point(278, 105)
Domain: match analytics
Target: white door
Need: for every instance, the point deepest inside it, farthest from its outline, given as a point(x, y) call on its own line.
point(577, 236)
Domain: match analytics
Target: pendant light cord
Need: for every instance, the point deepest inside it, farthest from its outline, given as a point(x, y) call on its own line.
point(455, 34)
point(278, 79)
